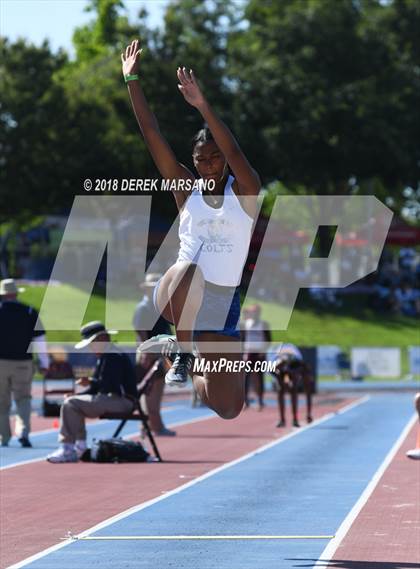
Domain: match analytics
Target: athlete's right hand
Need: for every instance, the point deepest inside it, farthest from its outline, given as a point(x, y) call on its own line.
point(130, 60)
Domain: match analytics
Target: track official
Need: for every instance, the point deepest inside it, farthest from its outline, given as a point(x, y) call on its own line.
point(17, 331)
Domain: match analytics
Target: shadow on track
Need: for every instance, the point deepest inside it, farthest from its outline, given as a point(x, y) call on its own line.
point(346, 564)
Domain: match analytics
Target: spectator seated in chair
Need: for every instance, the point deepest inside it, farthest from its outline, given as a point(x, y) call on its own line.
point(112, 389)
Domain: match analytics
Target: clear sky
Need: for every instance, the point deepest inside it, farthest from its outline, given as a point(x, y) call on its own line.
point(56, 19)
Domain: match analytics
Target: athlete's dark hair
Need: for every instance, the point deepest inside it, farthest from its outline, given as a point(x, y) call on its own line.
point(203, 135)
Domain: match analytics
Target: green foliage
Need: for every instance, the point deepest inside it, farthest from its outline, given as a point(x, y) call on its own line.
point(194, 36)
point(95, 39)
point(328, 93)
point(322, 95)
point(27, 124)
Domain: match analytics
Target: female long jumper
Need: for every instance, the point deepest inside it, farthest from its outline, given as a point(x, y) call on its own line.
point(215, 231)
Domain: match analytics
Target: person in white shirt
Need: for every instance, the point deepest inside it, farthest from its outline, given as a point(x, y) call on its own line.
point(257, 339)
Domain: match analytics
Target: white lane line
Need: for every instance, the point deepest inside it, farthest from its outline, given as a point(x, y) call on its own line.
point(130, 436)
point(332, 547)
point(192, 537)
point(179, 489)
point(351, 405)
point(22, 463)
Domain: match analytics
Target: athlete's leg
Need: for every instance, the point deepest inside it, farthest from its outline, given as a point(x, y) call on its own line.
point(224, 391)
point(280, 399)
point(247, 388)
point(294, 396)
point(417, 404)
point(255, 380)
point(414, 453)
point(307, 386)
point(260, 386)
point(182, 281)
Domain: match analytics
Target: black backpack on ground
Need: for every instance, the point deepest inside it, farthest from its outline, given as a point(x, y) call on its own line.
point(117, 450)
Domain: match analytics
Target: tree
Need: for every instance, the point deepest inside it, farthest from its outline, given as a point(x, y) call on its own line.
point(329, 93)
point(195, 36)
point(30, 121)
point(100, 35)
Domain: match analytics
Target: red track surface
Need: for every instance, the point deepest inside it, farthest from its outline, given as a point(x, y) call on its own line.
point(379, 533)
point(41, 502)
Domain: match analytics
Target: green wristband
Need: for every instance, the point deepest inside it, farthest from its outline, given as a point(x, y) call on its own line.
point(130, 78)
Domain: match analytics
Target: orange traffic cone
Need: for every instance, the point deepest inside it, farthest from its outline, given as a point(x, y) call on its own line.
point(56, 424)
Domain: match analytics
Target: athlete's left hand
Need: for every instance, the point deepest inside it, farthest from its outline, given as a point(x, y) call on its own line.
point(189, 87)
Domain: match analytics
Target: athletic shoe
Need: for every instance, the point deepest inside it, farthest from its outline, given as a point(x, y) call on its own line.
point(281, 424)
point(181, 367)
point(296, 423)
point(162, 344)
point(25, 442)
point(65, 453)
point(414, 453)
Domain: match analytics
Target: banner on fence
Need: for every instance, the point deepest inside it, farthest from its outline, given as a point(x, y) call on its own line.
point(414, 359)
point(376, 362)
point(327, 358)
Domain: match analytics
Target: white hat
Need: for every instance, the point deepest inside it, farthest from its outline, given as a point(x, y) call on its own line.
point(90, 332)
point(8, 286)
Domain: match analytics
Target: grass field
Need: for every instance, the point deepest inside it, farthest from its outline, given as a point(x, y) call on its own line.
point(350, 325)
point(353, 324)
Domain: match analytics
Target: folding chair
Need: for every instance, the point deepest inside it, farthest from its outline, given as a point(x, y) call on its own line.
point(138, 413)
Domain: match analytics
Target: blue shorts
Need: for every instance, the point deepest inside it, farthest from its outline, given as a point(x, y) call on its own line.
point(215, 302)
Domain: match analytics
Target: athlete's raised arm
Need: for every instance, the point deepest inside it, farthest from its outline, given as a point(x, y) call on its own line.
point(161, 152)
point(247, 179)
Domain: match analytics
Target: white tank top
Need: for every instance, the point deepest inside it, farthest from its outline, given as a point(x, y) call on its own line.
point(216, 239)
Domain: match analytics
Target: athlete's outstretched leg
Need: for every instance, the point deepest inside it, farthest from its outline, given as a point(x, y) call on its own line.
point(182, 281)
point(178, 297)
